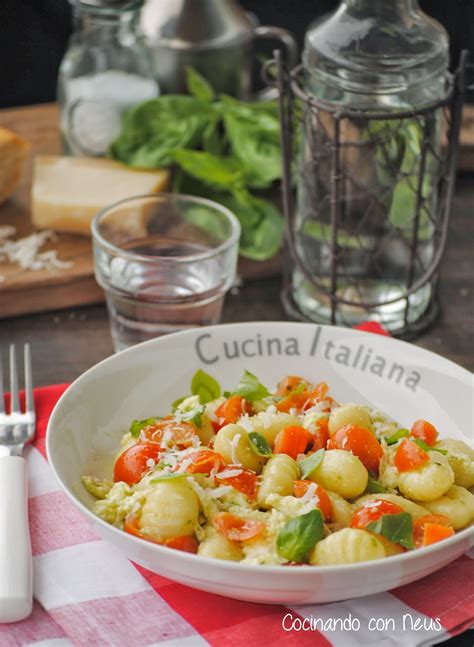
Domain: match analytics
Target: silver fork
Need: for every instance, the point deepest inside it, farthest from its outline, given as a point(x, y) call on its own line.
point(16, 429)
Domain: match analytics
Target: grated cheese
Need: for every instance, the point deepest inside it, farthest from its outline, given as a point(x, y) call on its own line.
point(227, 474)
point(219, 491)
point(184, 465)
point(167, 436)
point(25, 252)
point(245, 422)
point(170, 460)
point(309, 494)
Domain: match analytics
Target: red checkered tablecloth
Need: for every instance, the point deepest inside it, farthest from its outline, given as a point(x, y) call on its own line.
point(88, 594)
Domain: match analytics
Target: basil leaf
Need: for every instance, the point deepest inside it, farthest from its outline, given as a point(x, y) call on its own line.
point(216, 171)
point(138, 425)
point(397, 528)
point(169, 476)
point(421, 443)
point(302, 386)
point(308, 465)
point(198, 86)
point(154, 129)
point(250, 388)
point(258, 444)
point(398, 435)
point(374, 486)
point(205, 386)
point(299, 535)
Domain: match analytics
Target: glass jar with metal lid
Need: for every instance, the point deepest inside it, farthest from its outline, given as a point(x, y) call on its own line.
point(105, 70)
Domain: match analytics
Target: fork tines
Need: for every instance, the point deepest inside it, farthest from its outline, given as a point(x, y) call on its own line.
point(14, 391)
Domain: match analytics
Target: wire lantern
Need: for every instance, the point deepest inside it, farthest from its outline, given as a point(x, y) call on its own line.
point(366, 200)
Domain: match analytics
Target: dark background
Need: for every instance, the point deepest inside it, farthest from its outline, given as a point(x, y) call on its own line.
point(34, 34)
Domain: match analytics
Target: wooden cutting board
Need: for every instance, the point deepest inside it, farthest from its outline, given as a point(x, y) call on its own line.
point(25, 291)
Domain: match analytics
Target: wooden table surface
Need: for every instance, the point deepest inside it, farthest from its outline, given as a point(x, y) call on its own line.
point(66, 343)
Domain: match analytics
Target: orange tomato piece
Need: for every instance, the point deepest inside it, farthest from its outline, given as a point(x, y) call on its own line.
point(231, 410)
point(236, 528)
point(245, 482)
point(292, 440)
point(318, 394)
point(361, 442)
point(132, 526)
point(434, 532)
point(419, 526)
point(182, 434)
point(204, 461)
point(293, 401)
point(320, 435)
point(133, 462)
point(186, 543)
point(372, 511)
point(290, 383)
point(425, 431)
point(323, 502)
point(409, 456)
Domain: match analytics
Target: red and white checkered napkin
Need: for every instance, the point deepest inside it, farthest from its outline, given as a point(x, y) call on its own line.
point(88, 593)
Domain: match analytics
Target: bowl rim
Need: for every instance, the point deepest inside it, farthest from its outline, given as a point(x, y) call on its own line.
point(291, 571)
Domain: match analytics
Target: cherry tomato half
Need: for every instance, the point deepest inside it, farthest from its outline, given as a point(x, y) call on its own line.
point(409, 456)
point(361, 442)
point(372, 511)
point(323, 502)
point(133, 462)
point(231, 410)
point(245, 481)
point(237, 528)
point(425, 431)
point(203, 461)
point(179, 434)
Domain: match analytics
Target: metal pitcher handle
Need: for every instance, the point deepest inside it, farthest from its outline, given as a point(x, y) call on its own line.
point(267, 32)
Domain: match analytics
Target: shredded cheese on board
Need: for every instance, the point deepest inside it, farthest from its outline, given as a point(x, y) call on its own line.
point(25, 252)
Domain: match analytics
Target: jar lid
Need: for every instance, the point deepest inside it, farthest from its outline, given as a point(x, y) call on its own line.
point(118, 5)
point(195, 24)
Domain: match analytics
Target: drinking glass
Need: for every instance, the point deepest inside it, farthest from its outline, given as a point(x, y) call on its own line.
point(165, 262)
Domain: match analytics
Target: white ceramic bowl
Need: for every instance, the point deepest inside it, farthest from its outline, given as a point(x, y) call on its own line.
point(404, 381)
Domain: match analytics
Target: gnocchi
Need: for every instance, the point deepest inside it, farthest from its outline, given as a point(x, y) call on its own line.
point(278, 477)
point(233, 445)
point(427, 483)
point(347, 546)
point(349, 414)
point(234, 478)
point(341, 472)
point(457, 504)
point(220, 547)
point(170, 509)
point(461, 458)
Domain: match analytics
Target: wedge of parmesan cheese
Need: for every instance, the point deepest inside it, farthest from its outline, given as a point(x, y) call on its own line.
point(67, 192)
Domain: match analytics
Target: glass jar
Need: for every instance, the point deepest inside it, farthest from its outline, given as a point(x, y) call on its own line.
point(368, 59)
point(105, 70)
